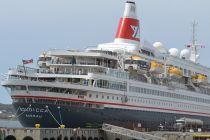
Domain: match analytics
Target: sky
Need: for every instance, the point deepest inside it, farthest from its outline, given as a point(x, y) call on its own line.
point(28, 28)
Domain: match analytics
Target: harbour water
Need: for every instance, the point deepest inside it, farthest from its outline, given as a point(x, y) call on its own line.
point(10, 124)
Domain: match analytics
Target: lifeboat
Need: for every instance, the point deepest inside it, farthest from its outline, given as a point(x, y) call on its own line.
point(137, 63)
point(156, 68)
point(200, 79)
point(135, 57)
point(174, 72)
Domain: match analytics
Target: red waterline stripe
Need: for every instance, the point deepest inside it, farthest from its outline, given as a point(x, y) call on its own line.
point(107, 103)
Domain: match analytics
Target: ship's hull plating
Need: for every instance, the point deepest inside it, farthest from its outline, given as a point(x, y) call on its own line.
point(48, 115)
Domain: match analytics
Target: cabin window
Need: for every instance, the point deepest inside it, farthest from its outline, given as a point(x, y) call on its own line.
point(112, 97)
point(90, 95)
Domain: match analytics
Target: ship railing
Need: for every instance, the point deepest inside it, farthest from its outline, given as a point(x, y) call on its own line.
point(107, 71)
point(73, 63)
point(47, 81)
point(4, 77)
point(90, 49)
point(129, 133)
point(26, 70)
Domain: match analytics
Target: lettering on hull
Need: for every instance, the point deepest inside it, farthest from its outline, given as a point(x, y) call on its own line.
point(34, 110)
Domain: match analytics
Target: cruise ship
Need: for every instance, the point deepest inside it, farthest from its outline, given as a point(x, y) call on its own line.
point(126, 83)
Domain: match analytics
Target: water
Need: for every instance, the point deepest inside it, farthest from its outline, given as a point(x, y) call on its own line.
point(10, 124)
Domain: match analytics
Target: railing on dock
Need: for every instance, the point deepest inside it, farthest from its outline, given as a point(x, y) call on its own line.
point(129, 133)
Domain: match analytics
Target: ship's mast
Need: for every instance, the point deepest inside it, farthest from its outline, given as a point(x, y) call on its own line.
point(194, 25)
point(194, 46)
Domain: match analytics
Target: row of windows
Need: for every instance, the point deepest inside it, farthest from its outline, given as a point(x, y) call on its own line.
point(46, 89)
point(56, 102)
point(167, 94)
point(117, 73)
point(111, 85)
point(105, 97)
point(132, 89)
point(139, 101)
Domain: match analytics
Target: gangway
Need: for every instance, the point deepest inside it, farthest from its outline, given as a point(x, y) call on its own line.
point(129, 133)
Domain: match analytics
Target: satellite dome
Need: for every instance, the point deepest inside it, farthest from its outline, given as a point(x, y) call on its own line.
point(159, 46)
point(185, 54)
point(174, 52)
point(42, 54)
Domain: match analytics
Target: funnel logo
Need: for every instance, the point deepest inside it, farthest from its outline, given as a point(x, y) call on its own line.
point(128, 29)
point(136, 33)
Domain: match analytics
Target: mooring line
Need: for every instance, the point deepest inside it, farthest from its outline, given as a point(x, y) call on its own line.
point(53, 115)
point(23, 111)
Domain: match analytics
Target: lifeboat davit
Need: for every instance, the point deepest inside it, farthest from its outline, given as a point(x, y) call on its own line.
point(200, 79)
point(174, 72)
point(156, 68)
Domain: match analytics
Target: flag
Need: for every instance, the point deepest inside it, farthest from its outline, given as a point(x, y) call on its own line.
point(202, 46)
point(27, 61)
point(188, 46)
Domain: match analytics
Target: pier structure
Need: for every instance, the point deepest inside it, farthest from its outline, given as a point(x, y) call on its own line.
point(107, 132)
point(50, 134)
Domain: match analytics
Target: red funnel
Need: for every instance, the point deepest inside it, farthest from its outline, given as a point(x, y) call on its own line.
point(128, 28)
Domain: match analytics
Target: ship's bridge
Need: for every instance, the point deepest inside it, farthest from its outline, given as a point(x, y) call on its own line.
point(74, 61)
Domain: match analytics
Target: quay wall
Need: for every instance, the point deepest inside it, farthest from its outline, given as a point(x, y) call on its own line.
point(50, 134)
point(85, 134)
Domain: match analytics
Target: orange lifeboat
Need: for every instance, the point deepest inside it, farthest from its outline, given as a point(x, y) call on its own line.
point(174, 72)
point(156, 68)
point(199, 78)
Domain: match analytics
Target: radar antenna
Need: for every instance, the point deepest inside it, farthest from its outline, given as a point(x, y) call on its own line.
point(194, 46)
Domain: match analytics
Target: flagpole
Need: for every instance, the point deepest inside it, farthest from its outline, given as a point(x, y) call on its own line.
point(24, 68)
point(25, 76)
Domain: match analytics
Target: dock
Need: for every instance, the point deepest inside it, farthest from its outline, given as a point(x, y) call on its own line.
point(107, 132)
